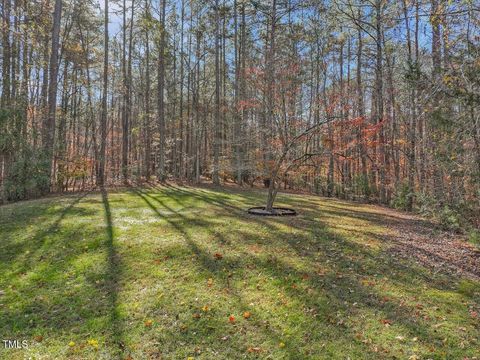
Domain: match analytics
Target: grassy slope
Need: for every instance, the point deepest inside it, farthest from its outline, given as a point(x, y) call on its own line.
point(134, 272)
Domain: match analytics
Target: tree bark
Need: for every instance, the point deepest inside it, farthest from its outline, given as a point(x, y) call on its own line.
point(103, 120)
point(161, 101)
point(148, 137)
point(217, 124)
point(5, 98)
point(125, 124)
point(49, 125)
point(361, 113)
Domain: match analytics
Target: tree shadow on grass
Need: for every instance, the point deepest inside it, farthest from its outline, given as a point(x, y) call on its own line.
point(217, 199)
point(342, 286)
point(370, 214)
point(412, 238)
point(212, 267)
point(343, 280)
point(12, 248)
point(113, 273)
point(310, 211)
point(64, 286)
point(176, 225)
point(236, 264)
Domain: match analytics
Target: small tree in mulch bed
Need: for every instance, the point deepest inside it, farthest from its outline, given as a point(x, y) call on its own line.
point(282, 129)
point(285, 161)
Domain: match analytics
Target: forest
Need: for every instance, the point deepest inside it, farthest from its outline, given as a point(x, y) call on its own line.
point(373, 100)
point(362, 115)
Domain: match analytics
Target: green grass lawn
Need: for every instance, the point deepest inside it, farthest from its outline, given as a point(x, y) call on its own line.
point(179, 273)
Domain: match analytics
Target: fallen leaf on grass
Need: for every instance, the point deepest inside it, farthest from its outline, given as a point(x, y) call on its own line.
point(148, 323)
point(196, 316)
point(210, 282)
point(254, 349)
point(205, 308)
point(368, 283)
point(386, 322)
point(38, 338)
point(247, 314)
point(218, 256)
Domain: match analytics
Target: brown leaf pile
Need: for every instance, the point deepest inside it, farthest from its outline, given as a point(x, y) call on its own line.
point(419, 240)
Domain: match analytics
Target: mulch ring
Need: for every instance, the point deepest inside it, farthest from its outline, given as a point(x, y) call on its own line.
point(276, 211)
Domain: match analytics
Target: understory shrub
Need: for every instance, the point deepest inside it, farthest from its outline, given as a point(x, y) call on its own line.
point(362, 185)
point(461, 216)
point(26, 177)
point(474, 237)
point(426, 204)
point(449, 219)
point(401, 197)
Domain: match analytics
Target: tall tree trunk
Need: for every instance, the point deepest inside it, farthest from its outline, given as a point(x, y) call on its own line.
point(361, 114)
point(161, 102)
point(196, 103)
point(103, 120)
point(217, 124)
point(181, 152)
point(5, 98)
point(49, 125)
point(15, 53)
point(61, 138)
point(412, 114)
point(242, 86)
point(148, 140)
point(436, 75)
point(125, 124)
point(236, 112)
point(379, 95)
point(129, 117)
point(267, 129)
